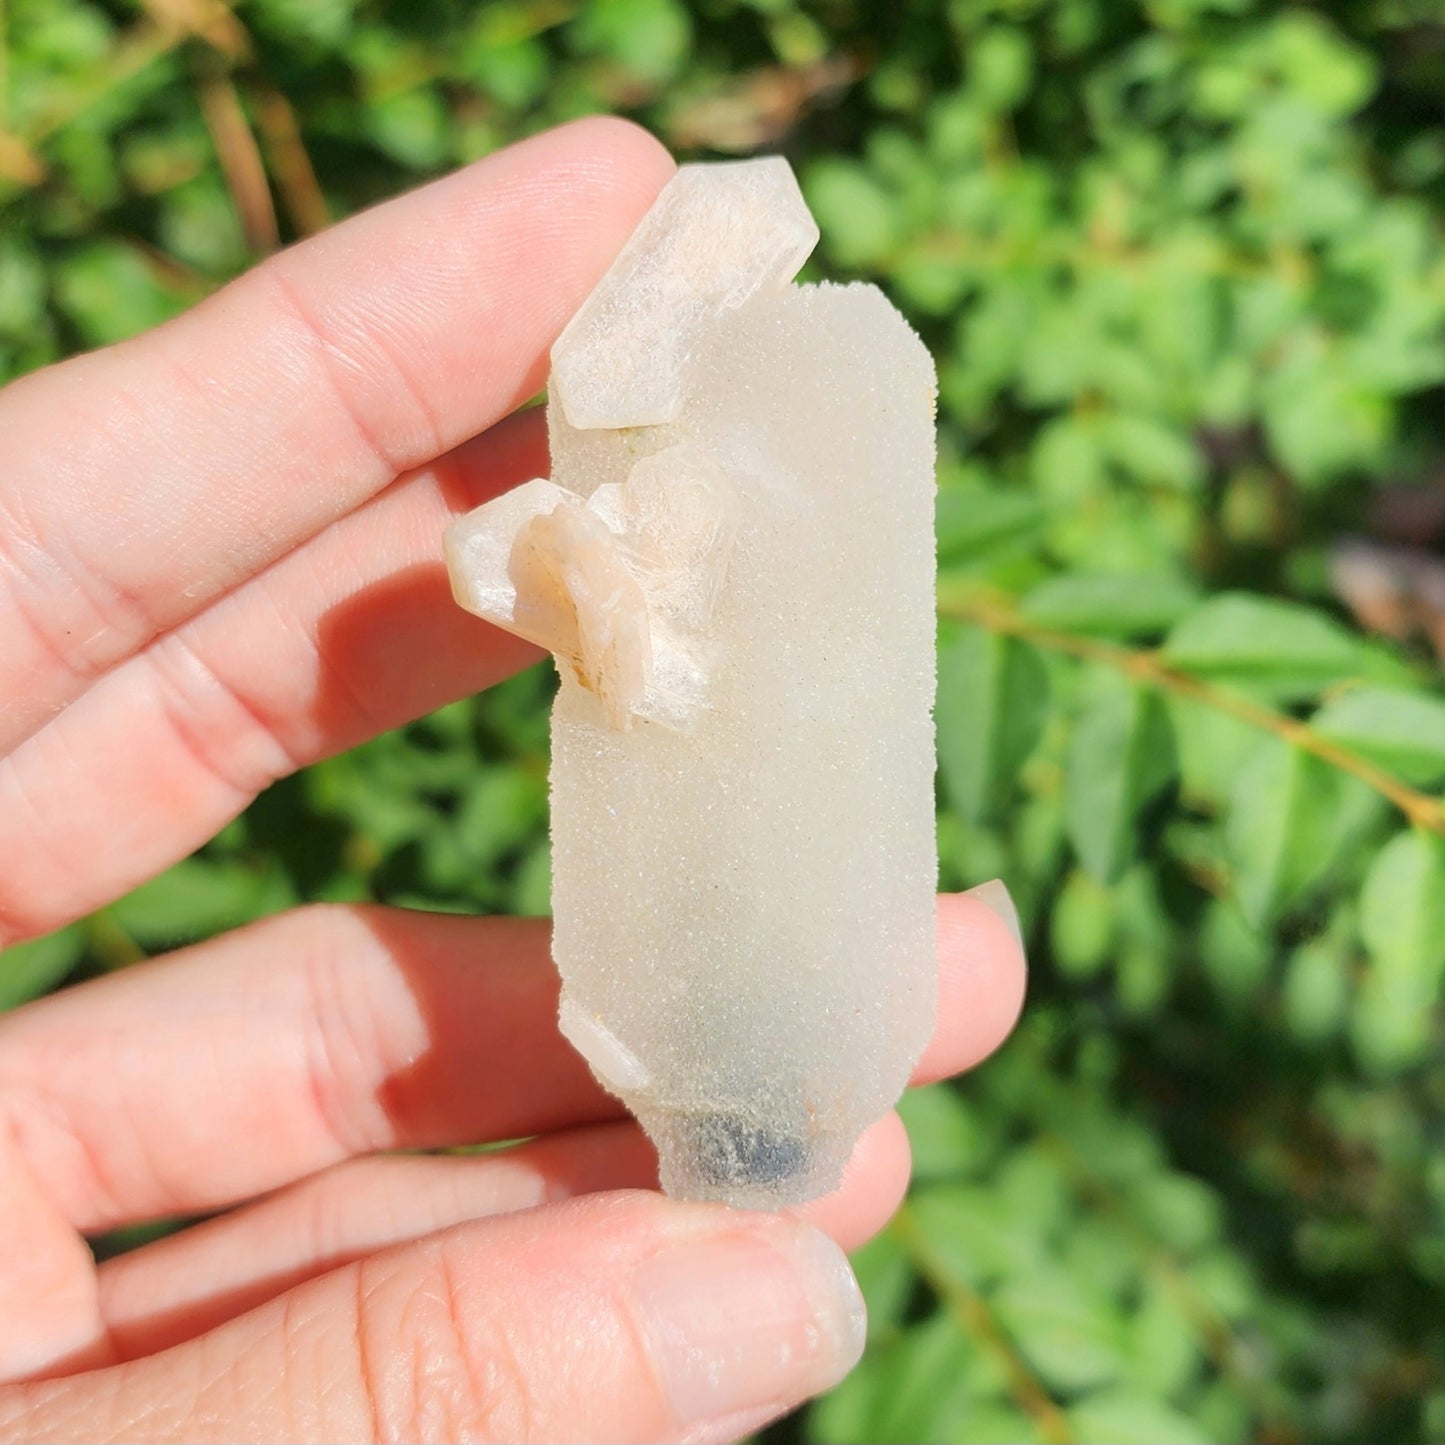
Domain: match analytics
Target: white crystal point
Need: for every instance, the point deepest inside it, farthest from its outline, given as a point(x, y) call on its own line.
point(742, 823)
point(478, 550)
point(620, 586)
point(716, 236)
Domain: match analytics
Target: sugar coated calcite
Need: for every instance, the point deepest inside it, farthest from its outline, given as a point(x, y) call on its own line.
point(734, 564)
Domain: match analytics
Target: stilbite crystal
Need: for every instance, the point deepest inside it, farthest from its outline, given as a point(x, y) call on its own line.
point(734, 564)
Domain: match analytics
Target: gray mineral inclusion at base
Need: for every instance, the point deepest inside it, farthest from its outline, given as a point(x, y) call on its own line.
point(733, 562)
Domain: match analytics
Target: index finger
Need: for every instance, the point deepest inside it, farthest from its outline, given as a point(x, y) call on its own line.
point(144, 480)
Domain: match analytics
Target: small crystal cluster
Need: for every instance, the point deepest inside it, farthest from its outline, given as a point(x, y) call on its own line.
point(733, 563)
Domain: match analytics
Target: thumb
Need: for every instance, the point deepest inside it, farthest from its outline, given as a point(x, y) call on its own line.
point(614, 1317)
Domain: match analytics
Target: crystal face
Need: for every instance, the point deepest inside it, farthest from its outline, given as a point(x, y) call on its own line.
point(733, 562)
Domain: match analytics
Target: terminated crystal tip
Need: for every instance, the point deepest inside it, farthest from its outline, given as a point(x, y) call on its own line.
point(717, 236)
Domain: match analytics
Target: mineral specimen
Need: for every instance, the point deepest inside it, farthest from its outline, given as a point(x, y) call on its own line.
point(733, 563)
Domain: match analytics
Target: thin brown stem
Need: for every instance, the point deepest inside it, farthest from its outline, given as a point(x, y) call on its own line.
point(208, 20)
point(4, 68)
point(111, 945)
point(976, 1318)
point(241, 162)
point(296, 181)
point(1149, 670)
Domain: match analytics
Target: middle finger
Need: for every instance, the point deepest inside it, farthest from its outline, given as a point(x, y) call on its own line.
point(251, 1061)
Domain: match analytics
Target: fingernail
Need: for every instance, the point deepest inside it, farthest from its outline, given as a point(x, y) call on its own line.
point(994, 896)
point(749, 1320)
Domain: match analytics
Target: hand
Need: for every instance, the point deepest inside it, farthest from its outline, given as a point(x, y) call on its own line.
point(218, 563)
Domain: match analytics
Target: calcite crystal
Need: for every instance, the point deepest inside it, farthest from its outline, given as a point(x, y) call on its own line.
point(733, 562)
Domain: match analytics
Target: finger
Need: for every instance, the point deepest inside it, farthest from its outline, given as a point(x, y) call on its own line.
point(875, 1179)
point(328, 1032)
point(617, 1317)
point(50, 1314)
point(334, 1032)
point(190, 1282)
point(352, 633)
point(982, 979)
point(226, 437)
point(170, 1291)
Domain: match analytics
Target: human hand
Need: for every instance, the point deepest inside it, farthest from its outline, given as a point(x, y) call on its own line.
point(218, 563)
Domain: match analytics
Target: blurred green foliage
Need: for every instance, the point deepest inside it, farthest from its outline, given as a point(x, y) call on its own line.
point(1180, 263)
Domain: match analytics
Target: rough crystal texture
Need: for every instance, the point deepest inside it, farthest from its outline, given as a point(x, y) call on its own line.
point(716, 236)
point(744, 864)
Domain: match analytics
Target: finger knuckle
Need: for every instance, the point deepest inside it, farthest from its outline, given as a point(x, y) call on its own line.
point(432, 1366)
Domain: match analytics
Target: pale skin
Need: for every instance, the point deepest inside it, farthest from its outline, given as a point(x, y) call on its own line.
point(219, 561)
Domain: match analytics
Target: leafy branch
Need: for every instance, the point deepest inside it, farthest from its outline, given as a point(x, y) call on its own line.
point(978, 1320)
point(1216, 1337)
point(170, 24)
point(1148, 669)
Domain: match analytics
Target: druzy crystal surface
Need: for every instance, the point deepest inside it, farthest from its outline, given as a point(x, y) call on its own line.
point(733, 562)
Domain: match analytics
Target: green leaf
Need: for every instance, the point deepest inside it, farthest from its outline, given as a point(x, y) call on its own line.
point(978, 1237)
point(514, 73)
point(503, 808)
point(1165, 1346)
point(993, 1422)
point(1066, 463)
point(412, 127)
point(317, 22)
point(1213, 746)
point(1110, 606)
point(1151, 452)
point(1320, 65)
point(1291, 816)
point(1236, 956)
point(1121, 757)
point(1402, 924)
point(532, 889)
point(1402, 731)
point(1083, 928)
point(1323, 422)
point(993, 694)
point(1226, 1283)
point(111, 291)
point(1179, 1210)
point(1316, 995)
point(1103, 1249)
point(196, 898)
point(1000, 67)
point(28, 970)
point(1144, 979)
point(942, 1132)
point(1280, 648)
point(858, 218)
point(933, 1375)
point(1124, 1417)
point(974, 521)
point(1032, 1186)
point(1074, 1337)
point(845, 1414)
point(22, 286)
point(649, 38)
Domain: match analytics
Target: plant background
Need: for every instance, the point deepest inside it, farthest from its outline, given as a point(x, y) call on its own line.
point(1180, 263)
